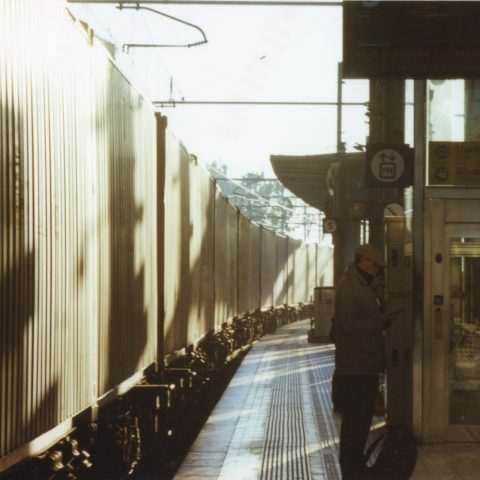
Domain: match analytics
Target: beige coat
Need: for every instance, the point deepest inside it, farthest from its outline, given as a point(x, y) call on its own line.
point(359, 335)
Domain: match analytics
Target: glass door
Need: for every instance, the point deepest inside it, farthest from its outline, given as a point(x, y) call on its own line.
point(464, 327)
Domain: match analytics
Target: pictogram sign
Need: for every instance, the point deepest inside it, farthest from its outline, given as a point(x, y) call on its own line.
point(389, 165)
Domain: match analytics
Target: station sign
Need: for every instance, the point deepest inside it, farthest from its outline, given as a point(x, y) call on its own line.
point(389, 165)
point(411, 39)
point(454, 163)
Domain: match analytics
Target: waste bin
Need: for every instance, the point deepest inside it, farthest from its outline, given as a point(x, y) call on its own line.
point(324, 312)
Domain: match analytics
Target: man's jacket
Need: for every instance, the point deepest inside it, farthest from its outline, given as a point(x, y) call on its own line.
point(359, 338)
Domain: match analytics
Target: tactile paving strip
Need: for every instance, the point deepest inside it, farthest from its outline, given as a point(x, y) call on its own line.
point(321, 371)
point(285, 449)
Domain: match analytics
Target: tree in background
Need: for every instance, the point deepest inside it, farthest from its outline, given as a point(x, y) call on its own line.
point(262, 200)
point(216, 168)
point(266, 201)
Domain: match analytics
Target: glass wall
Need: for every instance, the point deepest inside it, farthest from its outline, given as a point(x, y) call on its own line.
point(446, 110)
point(464, 319)
point(453, 132)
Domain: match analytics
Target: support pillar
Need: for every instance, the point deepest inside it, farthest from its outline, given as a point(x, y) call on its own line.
point(387, 125)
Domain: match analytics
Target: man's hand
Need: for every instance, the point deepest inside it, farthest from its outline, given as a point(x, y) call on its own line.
point(390, 316)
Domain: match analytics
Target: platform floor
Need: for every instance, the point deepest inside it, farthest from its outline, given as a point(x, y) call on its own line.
point(275, 421)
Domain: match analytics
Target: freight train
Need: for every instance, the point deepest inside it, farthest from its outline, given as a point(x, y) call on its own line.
point(122, 264)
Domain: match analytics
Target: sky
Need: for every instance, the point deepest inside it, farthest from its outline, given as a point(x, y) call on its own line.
point(253, 53)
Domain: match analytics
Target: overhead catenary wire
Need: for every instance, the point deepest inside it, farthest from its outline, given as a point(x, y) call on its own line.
point(252, 197)
point(160, 60)
point(171, 17)
point(259, 58)
point(247, 3)
point(254, 194)
point(173, 103)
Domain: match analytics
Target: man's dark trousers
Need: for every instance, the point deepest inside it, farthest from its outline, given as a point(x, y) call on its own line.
point(359, 393)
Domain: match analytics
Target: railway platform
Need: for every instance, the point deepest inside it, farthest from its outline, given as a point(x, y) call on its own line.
point(275, 421)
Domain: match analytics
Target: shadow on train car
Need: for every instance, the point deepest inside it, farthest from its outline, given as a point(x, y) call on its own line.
point(39, 287)
point(124, 337)
point(124, 325)
point(18, 294)
point(79, 288)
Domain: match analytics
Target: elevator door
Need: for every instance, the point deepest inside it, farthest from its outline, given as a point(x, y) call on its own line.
point(464, 329)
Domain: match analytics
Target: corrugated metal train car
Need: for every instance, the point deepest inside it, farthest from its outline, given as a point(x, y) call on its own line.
point(117, 251)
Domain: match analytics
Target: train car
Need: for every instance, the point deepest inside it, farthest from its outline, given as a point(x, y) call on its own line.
point(118, 254)
point(78, 216)
point(226, 260)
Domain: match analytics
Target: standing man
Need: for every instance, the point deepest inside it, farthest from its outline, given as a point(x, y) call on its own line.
point(359, 355)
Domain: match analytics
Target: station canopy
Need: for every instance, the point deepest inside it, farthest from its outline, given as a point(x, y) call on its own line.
point(313, 177)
